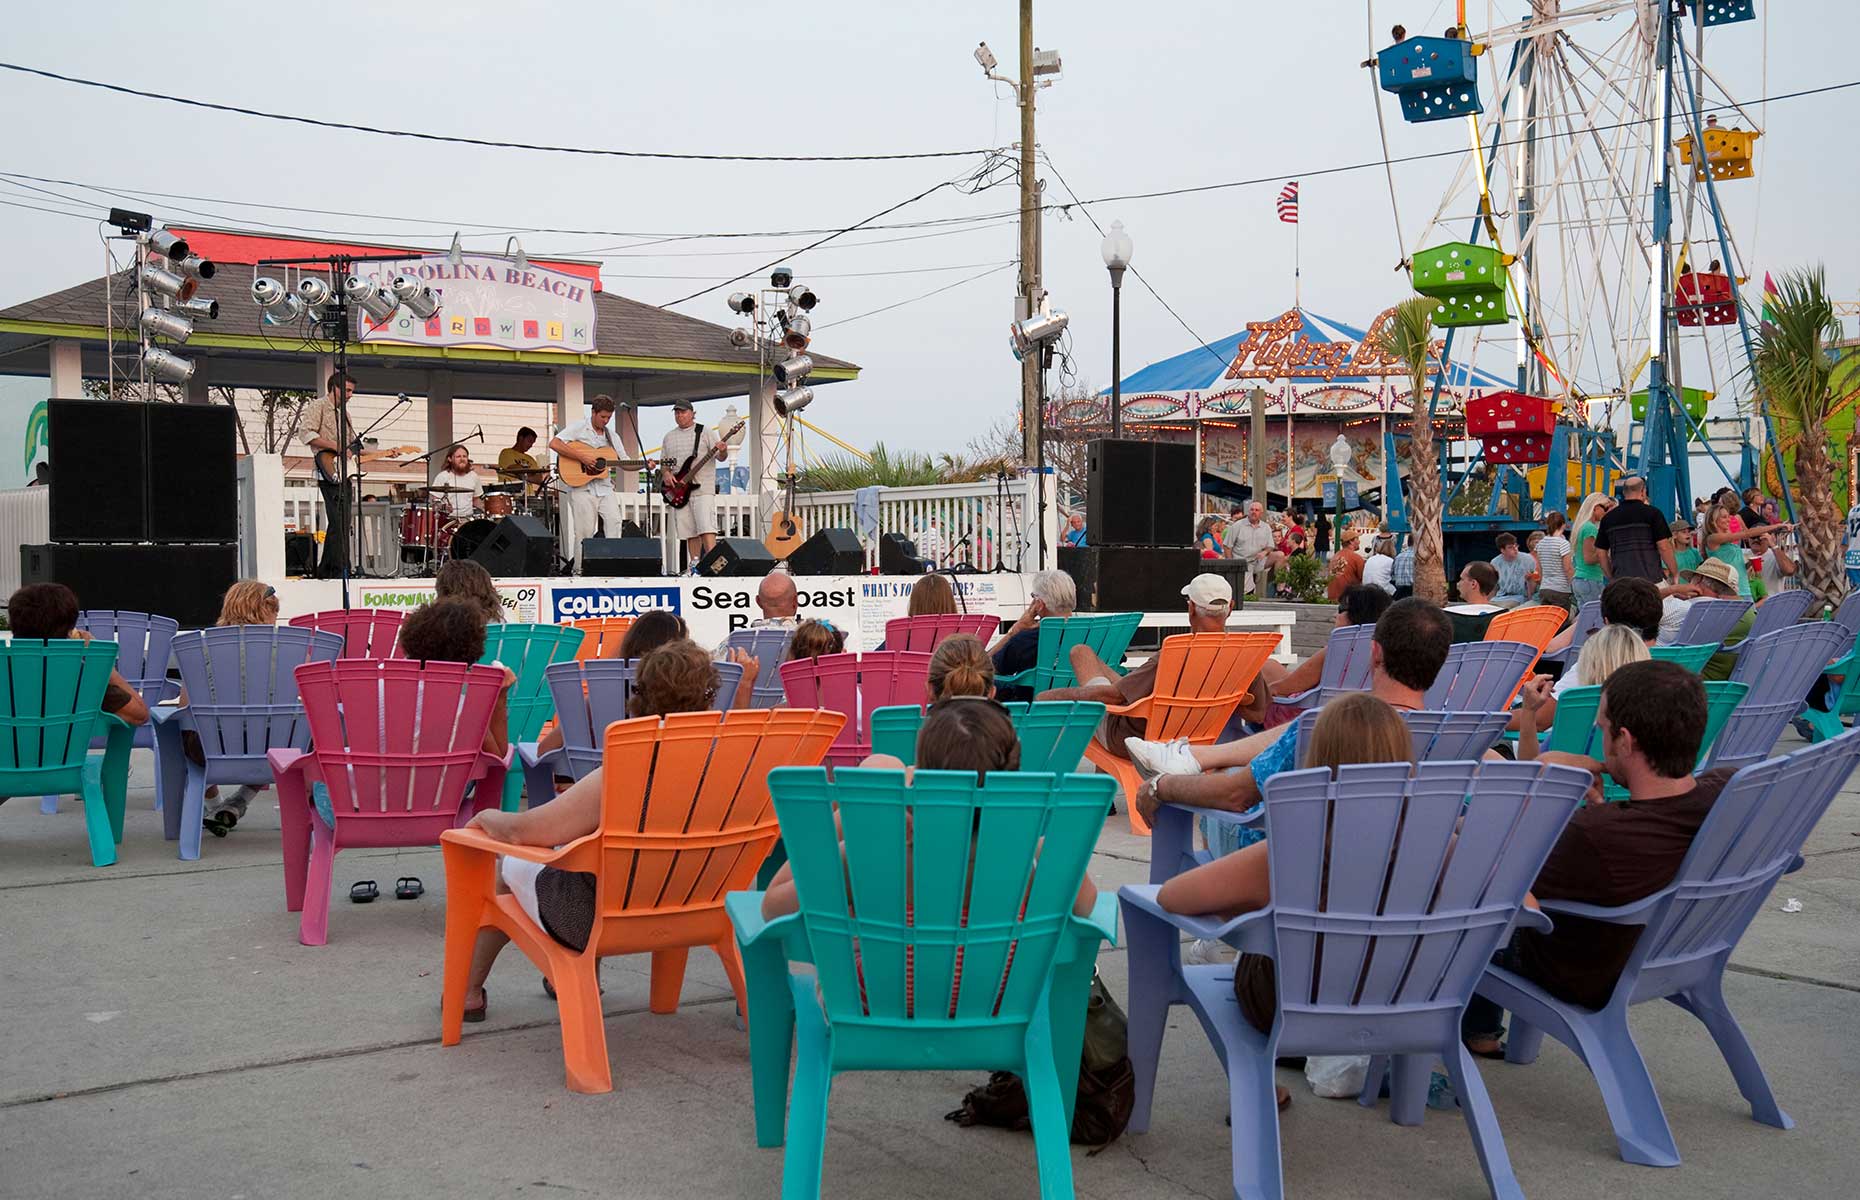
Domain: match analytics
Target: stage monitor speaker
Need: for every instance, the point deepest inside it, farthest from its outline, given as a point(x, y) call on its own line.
point(897, 555)
point(1140, 493)
point(192, 473)
point(183, 582)
point(632, 529)
point(99, 471)
point(621, 556)
point(736, 557)
point(1131, 578)
point(300, 554)
point(520, 545)
point(829, 552)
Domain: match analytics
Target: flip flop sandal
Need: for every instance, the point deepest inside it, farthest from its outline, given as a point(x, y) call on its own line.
point(408, 887)
point(476, 1016)
point(363, 892)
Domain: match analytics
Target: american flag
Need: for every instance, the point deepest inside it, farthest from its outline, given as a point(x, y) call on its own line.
point(1288, 203)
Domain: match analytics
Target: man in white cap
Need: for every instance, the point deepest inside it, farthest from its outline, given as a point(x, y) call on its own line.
point(1210, 599)
point(696, 523)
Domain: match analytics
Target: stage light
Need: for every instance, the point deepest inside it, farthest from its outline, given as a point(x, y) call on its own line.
point(739, 337)
point(129, 221)
point(795, 332)
point(793, 400)
point(279, 306)
point(781, 277)
point(418, 297)
point(167, 244)
point(368, 295)
point(314, 292)
point(158, 322)
point(193, 266)
point(794, 370)
point(170, 367)
point(803, 296)
point(210, 309)
point(1036, 331)
point(742, 302)
point(162, 281)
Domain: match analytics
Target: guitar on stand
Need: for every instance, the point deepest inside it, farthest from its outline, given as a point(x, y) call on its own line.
point(677, 492)
point(785, 535)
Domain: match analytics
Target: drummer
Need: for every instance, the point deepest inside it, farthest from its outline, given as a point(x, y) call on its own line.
point(458, 474)
point(515, 464)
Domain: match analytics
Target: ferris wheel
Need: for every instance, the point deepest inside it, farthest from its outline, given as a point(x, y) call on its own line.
point(1581, 241)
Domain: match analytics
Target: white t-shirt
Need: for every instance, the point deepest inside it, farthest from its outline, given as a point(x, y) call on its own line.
point(1773, 579)
point(1379, 571)
point(681, 444)
point(1673, 612)
point(583, 433)
point(1472, 610)
point(459, 504)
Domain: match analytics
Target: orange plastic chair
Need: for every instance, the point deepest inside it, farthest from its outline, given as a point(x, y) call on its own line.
point(1534, 626)
point(685, 820)
point(1200, 680)
point(604, 635)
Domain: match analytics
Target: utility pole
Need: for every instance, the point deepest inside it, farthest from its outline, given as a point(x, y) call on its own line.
point(1029, 299)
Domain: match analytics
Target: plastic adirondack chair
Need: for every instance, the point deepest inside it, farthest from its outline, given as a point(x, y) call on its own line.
point(769, 646)
point(685, 819)
point(1588, 620)
point(855, 684)
point(1200, 679)
point(143, 643)
point(1108, 635)
point(366, 632)
point(1480, 676)
point(1438, 736)
point(242, 704)
point(1053, 733)
point(528, 650)
point(1847, 616)
point(1753, 836)
point(601, 636)
point(51, 706)
point(1382, 960)
point(1692, 658)
point(1347, 667)
point(1710, 621)
point(933, 951)
point(923, 633)
point(1534, 625)
point(1575, 731)
point(396, 747)
point(588, 696)
point(1780, 667)
point(1844, 700)
point(1779, 611)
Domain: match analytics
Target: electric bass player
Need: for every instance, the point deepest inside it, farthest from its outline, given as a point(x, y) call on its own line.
point(325, 429)
point(684, 450)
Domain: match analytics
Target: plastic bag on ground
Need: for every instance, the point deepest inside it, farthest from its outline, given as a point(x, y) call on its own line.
point(1336, 1075)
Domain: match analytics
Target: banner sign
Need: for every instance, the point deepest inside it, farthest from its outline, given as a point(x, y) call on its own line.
point(886, 598)
point(487, 301)
point(522, 601)
point(573, 602)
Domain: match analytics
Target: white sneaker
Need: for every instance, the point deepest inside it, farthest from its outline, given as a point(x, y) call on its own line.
point(1204, 952)
point(1161, 758)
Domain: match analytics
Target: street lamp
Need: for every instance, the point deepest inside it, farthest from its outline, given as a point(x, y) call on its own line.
point(1117, 249)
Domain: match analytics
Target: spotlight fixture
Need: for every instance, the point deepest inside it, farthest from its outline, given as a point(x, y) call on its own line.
point(417, 296)
point(372, 300)
point(793, 400)
point(794, 370)
point(742, 302)
point(162, 281)
point(159, 322)
point(193, 266)
point(1036, 331)
point(781, 277)
point(167, 244)
point(315, 293)
point(795, 332)
point(803, 296)
point(170, 367)
point(739, 337)
point(210, 309)
point(278, 306)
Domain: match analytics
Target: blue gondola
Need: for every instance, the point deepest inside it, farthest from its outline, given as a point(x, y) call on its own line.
point(1726, 12)
point(1435, 78)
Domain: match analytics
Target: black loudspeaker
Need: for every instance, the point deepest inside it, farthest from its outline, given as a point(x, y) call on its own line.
point(829, 552)
point(1131, 578)
point(193, 476)
point(736, 557)
point(1140, 493)
point(300, 554)
point(632, 529)
point(100, 471)
point(183, 582)
point(520, 545)
point(897, 555)
point(621, 556)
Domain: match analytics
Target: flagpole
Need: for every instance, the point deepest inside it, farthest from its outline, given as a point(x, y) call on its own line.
point(1295, 265)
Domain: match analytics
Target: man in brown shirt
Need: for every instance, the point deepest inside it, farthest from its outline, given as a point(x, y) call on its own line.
point(1652, 717)
point(324, 429)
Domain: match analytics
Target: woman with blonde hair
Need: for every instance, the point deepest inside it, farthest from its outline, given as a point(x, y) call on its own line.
point(931, 596)
point(960, 666)
point(463, 579)
point(247, 602)
point(1586, 558)
point(1606, 651)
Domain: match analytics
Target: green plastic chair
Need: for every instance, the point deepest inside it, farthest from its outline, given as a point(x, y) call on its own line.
point(1575, 731)
point(954, 974)
point(1053, 733)
point(51, 705)
point(1692, 658)
point(1825, 725)
point(1108, 635)
point(528, 650)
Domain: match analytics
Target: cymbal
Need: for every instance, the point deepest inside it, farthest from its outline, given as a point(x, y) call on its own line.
point(523, 470)
point(443, 487)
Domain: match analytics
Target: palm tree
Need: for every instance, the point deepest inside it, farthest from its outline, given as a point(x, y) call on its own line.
point(882, 467)
point(1793, 372)
point(1407, 336)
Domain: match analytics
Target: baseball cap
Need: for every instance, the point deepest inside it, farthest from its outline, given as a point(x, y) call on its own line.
point(684, 405)
point(1209, 591)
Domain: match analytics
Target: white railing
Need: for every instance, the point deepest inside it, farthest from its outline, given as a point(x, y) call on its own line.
point(25, 520)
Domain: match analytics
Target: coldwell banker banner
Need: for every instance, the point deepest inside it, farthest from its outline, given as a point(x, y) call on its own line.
point(711, 607)
point(488, 301)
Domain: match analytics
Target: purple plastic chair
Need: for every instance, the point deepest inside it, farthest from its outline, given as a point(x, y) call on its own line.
point(1438, 736)
point(1847, 616)
point(1752, 837)
point(857, 685)
point(1776, 612)
point(1347, 666)
point(1588, 620)
point(1710, 621)
point(769, 646)
point(1480, 676)
point(1780, 667)
point(144, 642)
point(1381, 958)
point(242, 704)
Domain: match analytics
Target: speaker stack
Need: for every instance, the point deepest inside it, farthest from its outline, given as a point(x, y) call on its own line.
point(520, 545)
point(144, 507)
point(830, 552)
point(897, 555)
point(1140, 519)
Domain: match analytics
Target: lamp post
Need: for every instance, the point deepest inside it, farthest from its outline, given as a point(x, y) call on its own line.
point(1340, 455)
point(1117, 250)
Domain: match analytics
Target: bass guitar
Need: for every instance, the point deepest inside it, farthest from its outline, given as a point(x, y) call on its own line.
point(326, 459)
point(677, 493)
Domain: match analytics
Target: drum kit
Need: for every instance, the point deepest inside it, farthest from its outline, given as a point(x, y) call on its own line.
point(432, 532)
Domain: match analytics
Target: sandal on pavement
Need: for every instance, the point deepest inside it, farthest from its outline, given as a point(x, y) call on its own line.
point(475, 1016)
point(408, 887)
point(363, 892)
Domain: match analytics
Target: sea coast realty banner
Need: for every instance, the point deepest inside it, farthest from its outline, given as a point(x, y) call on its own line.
point(487, 300)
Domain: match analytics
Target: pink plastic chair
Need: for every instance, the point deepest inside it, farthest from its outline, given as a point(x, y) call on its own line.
point(396, 747)
point(366, 632)
point(856, 685)
point(923, 633)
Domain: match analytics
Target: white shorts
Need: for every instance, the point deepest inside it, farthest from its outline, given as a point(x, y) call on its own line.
point(520, 877)
point(696, 518)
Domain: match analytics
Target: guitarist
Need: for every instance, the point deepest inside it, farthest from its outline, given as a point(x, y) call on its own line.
point(326, 428)
point(594, 503)
point(696, 522)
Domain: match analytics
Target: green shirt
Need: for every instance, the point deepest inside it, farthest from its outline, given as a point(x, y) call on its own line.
point(1687, 558)
point(1585, 570)
point(1721, 663)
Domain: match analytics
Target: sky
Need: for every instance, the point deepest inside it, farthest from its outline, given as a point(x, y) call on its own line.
point(1152, 97)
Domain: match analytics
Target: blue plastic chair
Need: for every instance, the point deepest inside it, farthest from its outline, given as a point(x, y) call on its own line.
point(1753, 835)
point(1710, 621)
point(1847, 616)
point(1779, 611)
point(770, 647)
point(1381, 959)
point(1480, 676)
point(1780, 668)
point(1588, 620)
point(1692, 658)
point(932, 949)
point(1108, 635)
point(51, 707)
point(528, 650)
point(143, 643)
point(242, 703)
point(1053, 733)
point(1348, 665)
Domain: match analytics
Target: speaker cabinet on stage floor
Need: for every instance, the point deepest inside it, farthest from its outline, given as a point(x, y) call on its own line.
point(520, 545)
point(183, 582)
point(1130, 578)
point(736, 557)
point(897, 555)
point(1140, 493)
point(300, 554)
point(829, 552)
point(621, 556)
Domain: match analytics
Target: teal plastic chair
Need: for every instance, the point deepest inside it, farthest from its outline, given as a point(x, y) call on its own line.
point(528, 650)
point(1575, 731)
point(1053, 733)
point(1108, 635)
point(1845, 702)
point(1692, 658)
point(51, 705)
point(932, 952)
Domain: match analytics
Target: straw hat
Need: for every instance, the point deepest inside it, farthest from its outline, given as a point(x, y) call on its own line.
point(1716, 570)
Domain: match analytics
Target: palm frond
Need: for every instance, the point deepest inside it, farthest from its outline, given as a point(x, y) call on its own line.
point(1408, 335)
point(1792, 365)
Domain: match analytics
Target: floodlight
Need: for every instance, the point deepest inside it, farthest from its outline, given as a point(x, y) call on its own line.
point(794, 370)
point(795, 332)
point(193, 266)
point(159, 322)
point(170, 367)
point(279, 306)
point(985, 56)
point(1045, 62)
point(369, 296)
point(793, 400)
point(162, 281)
point(781, 277)
point(417, 296)
point(739, 337)
point(210, 309)
point(314, 292)
point(742, 302)
point(129, 221)
point(167, 245)
point(802, 295)
point(1036, 331)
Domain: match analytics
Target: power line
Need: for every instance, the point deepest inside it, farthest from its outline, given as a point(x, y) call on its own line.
point(994, 270)
point(814, 275)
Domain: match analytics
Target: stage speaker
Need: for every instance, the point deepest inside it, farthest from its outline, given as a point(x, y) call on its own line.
point(183, 582)
point(632, 529)
point(520, 545)
point(1131, 578)
point(1140, 493)
point(99, 471)
point(621, 556)
point(897, 555)
point(300, 554)
point(736, 557)
point(829, 552)
point(192, 473)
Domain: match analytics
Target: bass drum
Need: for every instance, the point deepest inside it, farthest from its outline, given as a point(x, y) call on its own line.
point(467, 537)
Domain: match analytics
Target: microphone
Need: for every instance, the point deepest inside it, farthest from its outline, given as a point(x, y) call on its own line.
point(403, 398)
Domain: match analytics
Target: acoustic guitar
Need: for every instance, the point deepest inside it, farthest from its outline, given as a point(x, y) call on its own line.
point(785, 536)
point(575, 475)
point(677, 493)
point(326, 465)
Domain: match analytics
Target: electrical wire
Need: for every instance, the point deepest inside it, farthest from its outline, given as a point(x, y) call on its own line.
point(994, 270)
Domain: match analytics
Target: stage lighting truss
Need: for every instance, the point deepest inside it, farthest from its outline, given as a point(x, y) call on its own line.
point(779, 321)
point(161, 288)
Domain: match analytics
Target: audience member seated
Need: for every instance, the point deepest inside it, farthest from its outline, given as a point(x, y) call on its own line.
point(1478, 583)
point(1362, 605)
point(1517, 572)
point(1608, 650)
point(1018, 647)
point(960, 666)
point(1629, 601)
point(931, 596)
point(1652, 719)
point(812, 639)
point(453, 631)
point(653, 629)
point(779, 601)
point(247, 602)
point(463, 579)
point(676, 677)
point(1379, 567)
point(1712, 579)
point(50, 611)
